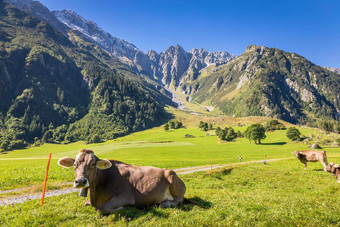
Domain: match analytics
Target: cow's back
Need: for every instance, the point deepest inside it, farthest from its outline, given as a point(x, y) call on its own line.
point(313, 156)
point(149, 184)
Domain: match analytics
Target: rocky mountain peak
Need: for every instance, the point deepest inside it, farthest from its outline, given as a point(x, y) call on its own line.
point(153, 55)
point(332, 69)
point(77, 22)
point(259, 49)
point(167, 67)
point(175, 50)
point(121, 49)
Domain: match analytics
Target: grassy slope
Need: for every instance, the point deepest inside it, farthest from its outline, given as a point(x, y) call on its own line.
point(280, 193)
point(153, 147)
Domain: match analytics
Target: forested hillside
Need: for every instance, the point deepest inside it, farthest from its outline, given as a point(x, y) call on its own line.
point(53, 90)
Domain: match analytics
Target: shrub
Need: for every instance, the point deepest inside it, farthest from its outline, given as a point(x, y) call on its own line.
point(293, 133)
point(171, 124)
point(239, 134)
point(231, 134)
point(204, 126)
point(95, 139)
point(226, 134)
point(17, 144)
point(273, 125)
point(218, 131)
point(178, 124)
point(255, 132)
point(5, 145)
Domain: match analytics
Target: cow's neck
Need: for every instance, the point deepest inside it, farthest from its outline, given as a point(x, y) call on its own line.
point(92, 195)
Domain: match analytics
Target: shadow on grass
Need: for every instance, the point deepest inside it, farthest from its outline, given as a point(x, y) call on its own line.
point(131, 213)
point(190, 203)
point(221, 173)
point(277, 143)
point(319, 170)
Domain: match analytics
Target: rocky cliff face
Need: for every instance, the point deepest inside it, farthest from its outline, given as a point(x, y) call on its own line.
point(336, 70)
point(169, 67)
point(176, 65)
point(271, 82)
point(262, 81)
point(119, 48)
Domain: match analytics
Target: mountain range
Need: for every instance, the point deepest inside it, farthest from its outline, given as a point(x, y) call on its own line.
point(166, 67)
point(269, 82)
point(83, 79)
point(54, 89)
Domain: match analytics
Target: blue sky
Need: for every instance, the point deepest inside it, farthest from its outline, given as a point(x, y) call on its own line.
point(307, 27)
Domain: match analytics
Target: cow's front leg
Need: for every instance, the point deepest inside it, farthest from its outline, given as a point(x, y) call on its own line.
point(117, 203)
point(325, 166)
point(305, 165)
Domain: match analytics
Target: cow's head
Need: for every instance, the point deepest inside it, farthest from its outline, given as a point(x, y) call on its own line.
point(298, 154)
point(337, 172)
point(330, 168)
point(85, 167)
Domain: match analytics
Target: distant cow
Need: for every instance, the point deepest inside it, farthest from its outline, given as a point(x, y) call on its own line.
point(334, 169)
point(113, 184)
point(312, 156)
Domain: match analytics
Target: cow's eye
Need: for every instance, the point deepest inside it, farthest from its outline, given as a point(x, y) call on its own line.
point(93, 165)
point(75, 165)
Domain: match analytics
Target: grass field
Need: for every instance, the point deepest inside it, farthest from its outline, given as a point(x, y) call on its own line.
point(280, 193)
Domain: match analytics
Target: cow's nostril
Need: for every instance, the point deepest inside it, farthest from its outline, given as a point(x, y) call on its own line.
point(76, 181)
point(85, 181)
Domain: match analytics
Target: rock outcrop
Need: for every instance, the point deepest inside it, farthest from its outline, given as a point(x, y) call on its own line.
point(271, 82)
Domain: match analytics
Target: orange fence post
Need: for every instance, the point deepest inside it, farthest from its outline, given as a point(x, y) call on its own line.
point(211, 174)
point(45, 182)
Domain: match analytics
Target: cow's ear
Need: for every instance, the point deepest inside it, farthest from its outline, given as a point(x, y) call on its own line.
point(103, 164)
point(66, 162)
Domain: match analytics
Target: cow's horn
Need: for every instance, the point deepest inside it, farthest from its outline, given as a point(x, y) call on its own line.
point(336, 166)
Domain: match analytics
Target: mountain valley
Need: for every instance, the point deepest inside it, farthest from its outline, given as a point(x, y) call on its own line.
point(66, 79)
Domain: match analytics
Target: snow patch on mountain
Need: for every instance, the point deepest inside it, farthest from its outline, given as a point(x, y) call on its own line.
point(118, 47)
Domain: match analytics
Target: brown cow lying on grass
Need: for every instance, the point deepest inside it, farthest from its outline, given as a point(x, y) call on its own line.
point(334, 169)
point(114, 184)
point(312, 156)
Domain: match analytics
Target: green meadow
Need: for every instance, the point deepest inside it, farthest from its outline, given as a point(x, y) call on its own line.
point(279, 193)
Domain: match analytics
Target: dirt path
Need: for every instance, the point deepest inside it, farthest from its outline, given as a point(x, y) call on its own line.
point(23, 198)
point(187, 170)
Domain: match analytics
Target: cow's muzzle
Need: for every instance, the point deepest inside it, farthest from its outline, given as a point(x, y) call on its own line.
point(81, 183)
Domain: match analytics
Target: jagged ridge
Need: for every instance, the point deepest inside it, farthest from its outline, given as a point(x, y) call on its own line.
point(271, 82)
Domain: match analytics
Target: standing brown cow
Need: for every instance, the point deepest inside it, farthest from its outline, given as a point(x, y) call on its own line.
point(334, 169)
point(114, 184)
point(312, 156)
